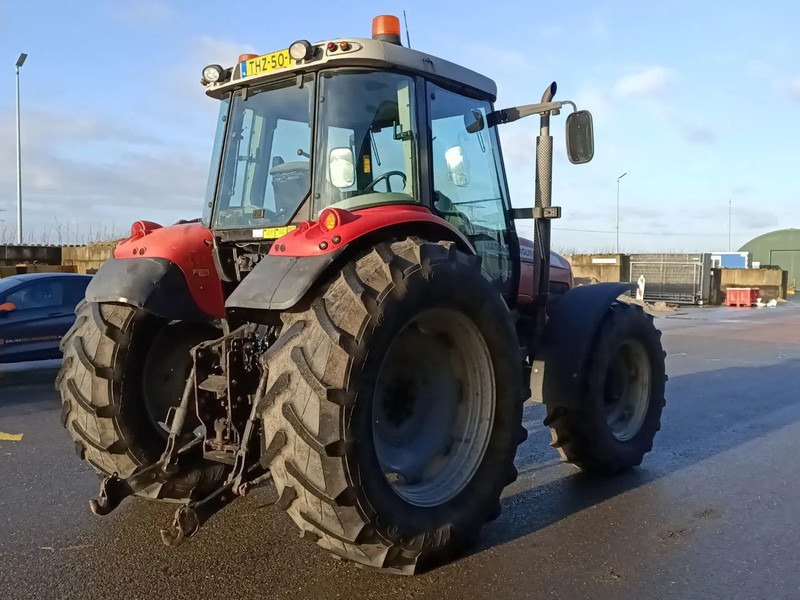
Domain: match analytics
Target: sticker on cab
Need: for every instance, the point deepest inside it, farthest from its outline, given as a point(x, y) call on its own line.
point(272, 233)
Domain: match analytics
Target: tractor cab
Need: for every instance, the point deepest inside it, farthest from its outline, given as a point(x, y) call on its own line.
point(354, 124)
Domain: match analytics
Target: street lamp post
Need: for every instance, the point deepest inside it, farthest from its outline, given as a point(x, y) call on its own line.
point(20, 62)
point(618, 178)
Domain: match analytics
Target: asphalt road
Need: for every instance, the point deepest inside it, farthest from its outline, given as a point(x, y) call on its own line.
point(712, 513)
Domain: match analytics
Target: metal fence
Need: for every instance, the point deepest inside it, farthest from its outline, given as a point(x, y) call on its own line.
point(679, 278)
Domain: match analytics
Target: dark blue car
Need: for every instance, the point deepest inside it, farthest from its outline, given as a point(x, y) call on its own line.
point(36, 310)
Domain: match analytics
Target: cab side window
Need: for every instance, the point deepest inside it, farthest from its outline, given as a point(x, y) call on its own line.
point(467, 184)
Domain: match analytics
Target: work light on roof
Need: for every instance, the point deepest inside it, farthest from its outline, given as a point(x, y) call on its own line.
point(386, 28)
point(213, 73)
point(300, 50)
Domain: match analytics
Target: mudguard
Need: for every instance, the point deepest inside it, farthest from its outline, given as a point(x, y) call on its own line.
point(561, 359)
point(156, 285)
point(279, 282)
point(167, 271)
point(297, 260)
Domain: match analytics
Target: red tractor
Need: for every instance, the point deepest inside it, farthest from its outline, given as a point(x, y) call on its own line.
point(354, 317)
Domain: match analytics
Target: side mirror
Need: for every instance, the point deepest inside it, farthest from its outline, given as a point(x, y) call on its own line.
point(341, 165)
point(473, 121)
point(457, 167)
point(6, 308)
point(580, 137)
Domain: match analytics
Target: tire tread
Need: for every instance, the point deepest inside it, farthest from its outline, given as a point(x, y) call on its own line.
point(315, 486)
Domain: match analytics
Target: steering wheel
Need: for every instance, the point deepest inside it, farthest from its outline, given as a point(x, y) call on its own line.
point(385, 177)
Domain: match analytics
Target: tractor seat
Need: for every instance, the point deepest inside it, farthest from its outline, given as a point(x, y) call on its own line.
point(297, 166)
point(448, 210)
point(290, 183)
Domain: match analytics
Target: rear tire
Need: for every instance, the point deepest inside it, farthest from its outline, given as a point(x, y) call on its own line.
point(325, 381)
point(102, 385)
point(614, 423)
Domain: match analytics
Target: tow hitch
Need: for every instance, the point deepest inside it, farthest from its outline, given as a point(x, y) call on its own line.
point(230, 448)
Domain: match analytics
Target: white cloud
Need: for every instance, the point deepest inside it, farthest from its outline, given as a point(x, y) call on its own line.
point(698, 133)
point(141, 12)
point(184, 87)
point(39, 126)
point(779, 80)
point(744, 189)
point(143, 178)
point(550, 31)
point(648, 83)
point(210, 50)
point(599, 29)
point(793, 88)
point(595, 100)
point(88, 172)
point(690, 128)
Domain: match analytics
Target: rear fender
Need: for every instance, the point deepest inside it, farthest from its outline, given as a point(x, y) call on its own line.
point(562, 356)
point(297, 260)
point(168, 271)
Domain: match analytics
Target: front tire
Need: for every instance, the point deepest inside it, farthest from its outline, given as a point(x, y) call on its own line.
point(367, 461)
point(612, 426)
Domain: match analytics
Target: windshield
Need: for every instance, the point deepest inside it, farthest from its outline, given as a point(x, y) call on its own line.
point(266, 166)
point(366, 140)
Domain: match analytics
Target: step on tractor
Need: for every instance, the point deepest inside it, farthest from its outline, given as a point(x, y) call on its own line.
point(354, 318)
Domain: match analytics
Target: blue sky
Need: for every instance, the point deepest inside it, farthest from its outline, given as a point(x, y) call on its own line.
point(697, 102)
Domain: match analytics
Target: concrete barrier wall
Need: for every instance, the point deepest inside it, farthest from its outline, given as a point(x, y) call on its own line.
point(11, 255)
point(79, 259)
point(599, 268)
point(771, 282)
point(73, 259)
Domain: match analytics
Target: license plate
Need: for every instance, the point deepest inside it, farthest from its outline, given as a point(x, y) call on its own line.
point(266, 63)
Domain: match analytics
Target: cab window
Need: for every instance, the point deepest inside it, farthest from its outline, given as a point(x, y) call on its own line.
point(468, 189)
point(265, 165)
point(366, 140)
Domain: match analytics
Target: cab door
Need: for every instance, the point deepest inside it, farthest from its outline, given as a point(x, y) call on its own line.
point(469, 188)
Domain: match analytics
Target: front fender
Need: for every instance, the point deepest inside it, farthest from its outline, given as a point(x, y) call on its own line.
point(561, 358)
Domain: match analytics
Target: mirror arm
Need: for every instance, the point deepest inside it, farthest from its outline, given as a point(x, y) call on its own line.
point(508, 115)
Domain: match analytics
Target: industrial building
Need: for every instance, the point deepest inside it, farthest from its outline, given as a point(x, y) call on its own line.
point(778, 248)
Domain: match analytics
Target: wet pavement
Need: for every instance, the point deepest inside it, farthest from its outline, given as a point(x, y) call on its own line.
point(712, 513)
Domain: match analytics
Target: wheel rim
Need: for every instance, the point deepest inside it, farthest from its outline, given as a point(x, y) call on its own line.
point(627, 390)
point(433, 407)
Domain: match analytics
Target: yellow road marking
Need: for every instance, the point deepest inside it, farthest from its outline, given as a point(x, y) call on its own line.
point(10, 437)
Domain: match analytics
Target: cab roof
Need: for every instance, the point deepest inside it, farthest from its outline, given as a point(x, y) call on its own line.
point(367, 53)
